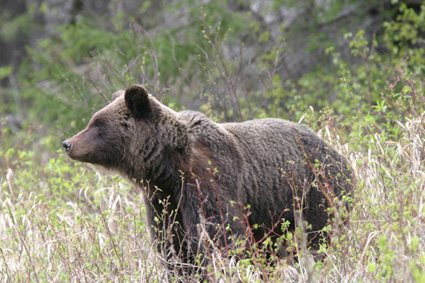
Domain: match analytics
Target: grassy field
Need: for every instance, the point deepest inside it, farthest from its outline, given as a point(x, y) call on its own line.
point(62, 221)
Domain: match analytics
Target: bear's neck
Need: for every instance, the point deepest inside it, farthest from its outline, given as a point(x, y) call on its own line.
point(165, 171)
point(164, 156)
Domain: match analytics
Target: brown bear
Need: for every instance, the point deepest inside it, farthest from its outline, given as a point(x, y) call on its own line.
point(223, 179)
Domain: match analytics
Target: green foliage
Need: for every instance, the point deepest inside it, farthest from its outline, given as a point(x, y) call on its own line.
point(73, 72)
point(375, 83)
point(14, 27)
point(5, 72)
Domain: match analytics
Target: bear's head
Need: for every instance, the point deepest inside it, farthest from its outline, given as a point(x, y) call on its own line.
point(127, 135)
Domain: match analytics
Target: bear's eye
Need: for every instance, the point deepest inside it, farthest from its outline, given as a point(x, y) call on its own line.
point(97, 123)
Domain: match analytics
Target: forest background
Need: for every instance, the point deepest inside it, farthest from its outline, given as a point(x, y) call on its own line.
point(351, 70)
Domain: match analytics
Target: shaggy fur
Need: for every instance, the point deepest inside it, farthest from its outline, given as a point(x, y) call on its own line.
point(213, 173)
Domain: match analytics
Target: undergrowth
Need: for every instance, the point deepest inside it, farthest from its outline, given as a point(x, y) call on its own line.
point(65, 221)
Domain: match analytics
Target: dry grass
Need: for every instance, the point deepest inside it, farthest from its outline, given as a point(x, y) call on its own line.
point(66, 222)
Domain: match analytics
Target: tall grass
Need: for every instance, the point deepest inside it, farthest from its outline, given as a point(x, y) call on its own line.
point(61, 221)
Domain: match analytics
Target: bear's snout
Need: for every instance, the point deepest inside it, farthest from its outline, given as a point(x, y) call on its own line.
point(66, 145)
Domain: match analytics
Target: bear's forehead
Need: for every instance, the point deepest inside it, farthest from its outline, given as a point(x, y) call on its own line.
point(116, 107)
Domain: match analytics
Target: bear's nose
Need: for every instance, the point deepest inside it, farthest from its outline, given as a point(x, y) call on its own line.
point(66, 145)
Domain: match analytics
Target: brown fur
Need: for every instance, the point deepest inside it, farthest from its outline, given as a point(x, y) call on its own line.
point(261, 164)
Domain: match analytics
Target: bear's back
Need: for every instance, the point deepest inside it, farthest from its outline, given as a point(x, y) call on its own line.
point(270, 149)
point(266, 155)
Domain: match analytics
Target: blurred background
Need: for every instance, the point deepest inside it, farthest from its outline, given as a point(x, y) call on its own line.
point(235, 60)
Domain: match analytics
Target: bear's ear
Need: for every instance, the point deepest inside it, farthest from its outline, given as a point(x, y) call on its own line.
point(137, 100)
point(117, 94)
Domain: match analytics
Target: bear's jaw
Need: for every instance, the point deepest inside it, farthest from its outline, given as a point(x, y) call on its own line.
point(85, 157)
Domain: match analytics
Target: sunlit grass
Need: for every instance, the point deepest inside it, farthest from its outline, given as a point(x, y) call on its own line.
point(64, 221)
